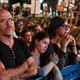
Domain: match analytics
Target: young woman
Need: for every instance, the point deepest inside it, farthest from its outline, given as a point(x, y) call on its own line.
point(63, 44)
point(38, 46)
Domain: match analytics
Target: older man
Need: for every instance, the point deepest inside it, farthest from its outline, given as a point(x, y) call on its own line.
point(16, 63)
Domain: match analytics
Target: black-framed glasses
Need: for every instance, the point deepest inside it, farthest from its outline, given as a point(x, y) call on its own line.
point(5, 20)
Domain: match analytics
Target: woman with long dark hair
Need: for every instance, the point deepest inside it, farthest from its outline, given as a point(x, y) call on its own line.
point(38, 46)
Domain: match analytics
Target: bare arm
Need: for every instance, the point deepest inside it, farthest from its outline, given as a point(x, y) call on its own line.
point(8, 74)
point(31, 71)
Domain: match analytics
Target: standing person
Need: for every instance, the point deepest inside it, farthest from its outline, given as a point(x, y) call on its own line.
point(63, 44)
point(76, 33)
point(5, 6)
point(38, 46)
point(16, 62)
point(27, 37)
point(19, 27)
point(36, 28)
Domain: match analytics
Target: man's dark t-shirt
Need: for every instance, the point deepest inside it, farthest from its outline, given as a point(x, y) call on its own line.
point(15, 56)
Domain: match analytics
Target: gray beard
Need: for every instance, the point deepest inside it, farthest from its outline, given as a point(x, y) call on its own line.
point(9, 34)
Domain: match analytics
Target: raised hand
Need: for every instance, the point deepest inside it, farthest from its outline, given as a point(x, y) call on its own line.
point(66, 40)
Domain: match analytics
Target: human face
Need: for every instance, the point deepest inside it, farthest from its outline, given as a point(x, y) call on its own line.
point(63, 30)
point(38, 29)
point(42, 45)
point(6, 24)
point(20, 26)
point(28, 36)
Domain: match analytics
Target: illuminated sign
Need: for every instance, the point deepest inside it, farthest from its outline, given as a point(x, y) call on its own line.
point(60, 8)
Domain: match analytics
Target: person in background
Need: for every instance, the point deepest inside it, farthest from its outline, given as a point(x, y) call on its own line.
point(76, 34)
point(5, 6)
point(38, 46)
point(36, 28)
point(27, 36)
point(19, 27)
point(16, 62)
point(63, 44)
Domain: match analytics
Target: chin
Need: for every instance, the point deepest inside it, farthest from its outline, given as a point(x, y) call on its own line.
point(9, 34)
point(42, 52)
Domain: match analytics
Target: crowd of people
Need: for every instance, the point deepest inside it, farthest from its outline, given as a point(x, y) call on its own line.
point(35, 47)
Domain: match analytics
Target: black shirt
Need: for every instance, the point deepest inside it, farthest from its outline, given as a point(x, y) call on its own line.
point(65, 59)
point(15, 56)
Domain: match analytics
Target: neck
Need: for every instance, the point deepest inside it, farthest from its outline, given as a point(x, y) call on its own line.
point(8, 40)
point(36, 53)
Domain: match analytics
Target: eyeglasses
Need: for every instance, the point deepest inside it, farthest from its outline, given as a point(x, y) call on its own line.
point(66, 27)
point(5, 20)
point(20, 24)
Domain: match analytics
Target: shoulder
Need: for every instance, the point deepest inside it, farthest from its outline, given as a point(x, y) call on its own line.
point(20, 42)
point(23, 46)
point(51, 48)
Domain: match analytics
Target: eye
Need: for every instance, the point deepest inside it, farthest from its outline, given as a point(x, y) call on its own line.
point(10, 19)
point(19, 24)
point(4, 20)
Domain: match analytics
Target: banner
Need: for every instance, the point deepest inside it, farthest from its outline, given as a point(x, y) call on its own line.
point(16, 9)
point(26, 5)
point(35, 7)
point(4, 1)
point(63, 3)
point(15, 5)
